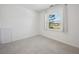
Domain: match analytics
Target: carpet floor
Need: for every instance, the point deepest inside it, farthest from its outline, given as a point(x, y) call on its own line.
point(37, 45)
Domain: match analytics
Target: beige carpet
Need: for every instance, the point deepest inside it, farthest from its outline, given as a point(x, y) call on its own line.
point(37, 45)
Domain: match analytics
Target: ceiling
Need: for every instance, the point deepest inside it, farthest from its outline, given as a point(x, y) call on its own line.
point(36, 7)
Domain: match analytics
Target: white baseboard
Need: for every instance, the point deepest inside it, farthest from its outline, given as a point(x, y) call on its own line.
point(19, 38)
point(66, 42)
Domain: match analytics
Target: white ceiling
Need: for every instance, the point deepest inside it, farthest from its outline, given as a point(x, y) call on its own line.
point(36, 7)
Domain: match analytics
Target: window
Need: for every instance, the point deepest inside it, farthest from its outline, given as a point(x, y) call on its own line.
point(54, 19)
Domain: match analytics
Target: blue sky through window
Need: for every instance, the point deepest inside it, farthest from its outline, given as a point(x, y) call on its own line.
point(55, 16)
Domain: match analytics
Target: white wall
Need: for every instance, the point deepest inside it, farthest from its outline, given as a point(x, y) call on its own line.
point(17, 22)
point(72, 36)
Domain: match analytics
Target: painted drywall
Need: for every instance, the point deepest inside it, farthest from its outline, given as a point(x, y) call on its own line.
point(70, 37)
point(17, 23)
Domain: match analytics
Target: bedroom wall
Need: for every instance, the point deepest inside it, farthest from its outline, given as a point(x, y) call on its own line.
point(70, 37)
point(17, 22)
